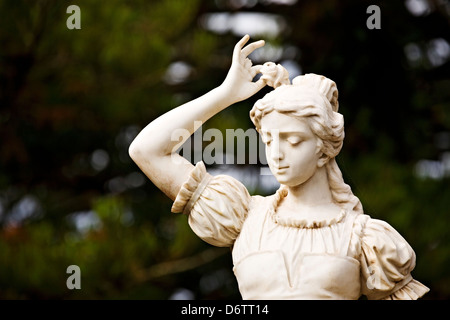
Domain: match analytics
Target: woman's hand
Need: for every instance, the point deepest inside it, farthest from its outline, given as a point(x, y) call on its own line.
point(238, 84)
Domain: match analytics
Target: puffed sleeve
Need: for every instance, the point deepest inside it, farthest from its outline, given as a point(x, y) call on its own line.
point(217, 206)
point(386, 264)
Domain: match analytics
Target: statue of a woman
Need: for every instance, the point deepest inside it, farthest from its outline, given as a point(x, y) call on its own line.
point(311, 239)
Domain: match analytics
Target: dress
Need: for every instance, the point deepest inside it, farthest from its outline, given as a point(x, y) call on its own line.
point(343, 258)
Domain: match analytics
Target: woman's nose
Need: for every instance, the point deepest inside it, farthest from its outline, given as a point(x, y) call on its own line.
point(276, 153)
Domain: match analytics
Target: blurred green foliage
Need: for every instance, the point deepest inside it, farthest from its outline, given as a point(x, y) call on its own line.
point(71, 101)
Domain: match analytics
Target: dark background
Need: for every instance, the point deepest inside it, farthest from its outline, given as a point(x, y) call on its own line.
point(71, 101)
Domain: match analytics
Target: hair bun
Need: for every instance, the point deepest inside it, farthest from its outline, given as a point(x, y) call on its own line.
point(275, 74)
point(325, 86)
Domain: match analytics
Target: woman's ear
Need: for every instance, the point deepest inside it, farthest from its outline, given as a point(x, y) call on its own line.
point(322, 160)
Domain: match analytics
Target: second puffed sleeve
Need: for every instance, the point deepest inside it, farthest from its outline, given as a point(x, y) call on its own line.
point(387, 261)
point(217, 206)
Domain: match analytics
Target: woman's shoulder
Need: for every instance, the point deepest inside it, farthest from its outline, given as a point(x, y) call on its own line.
point(373, 230)
point(260, 202)
point(374, 227)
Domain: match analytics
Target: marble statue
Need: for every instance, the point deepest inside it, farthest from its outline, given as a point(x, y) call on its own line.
point(311, 239)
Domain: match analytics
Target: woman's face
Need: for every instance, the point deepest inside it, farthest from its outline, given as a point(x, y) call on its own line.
point(291, 148)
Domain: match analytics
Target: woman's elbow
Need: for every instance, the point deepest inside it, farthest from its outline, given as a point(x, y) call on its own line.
point(140, 151)
point(135, 151)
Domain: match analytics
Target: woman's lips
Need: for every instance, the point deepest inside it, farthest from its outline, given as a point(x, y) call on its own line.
point(281, 169)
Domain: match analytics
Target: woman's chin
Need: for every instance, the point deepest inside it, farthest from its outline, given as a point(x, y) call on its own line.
point(283, 180)
point(289, 181)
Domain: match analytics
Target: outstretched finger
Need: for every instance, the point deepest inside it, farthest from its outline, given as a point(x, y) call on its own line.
point(238, 47)
point(252, 47)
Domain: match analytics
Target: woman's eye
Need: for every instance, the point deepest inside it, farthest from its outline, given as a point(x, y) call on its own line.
point(266, 139)
point(294, 140)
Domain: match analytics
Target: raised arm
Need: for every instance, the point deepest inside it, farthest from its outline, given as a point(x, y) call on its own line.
point(154, 149)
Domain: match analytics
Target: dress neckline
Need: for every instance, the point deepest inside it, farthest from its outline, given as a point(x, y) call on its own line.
point(307, 223)
point(302, 222)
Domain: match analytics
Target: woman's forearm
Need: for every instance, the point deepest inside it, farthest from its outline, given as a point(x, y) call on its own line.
point(156, 138)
